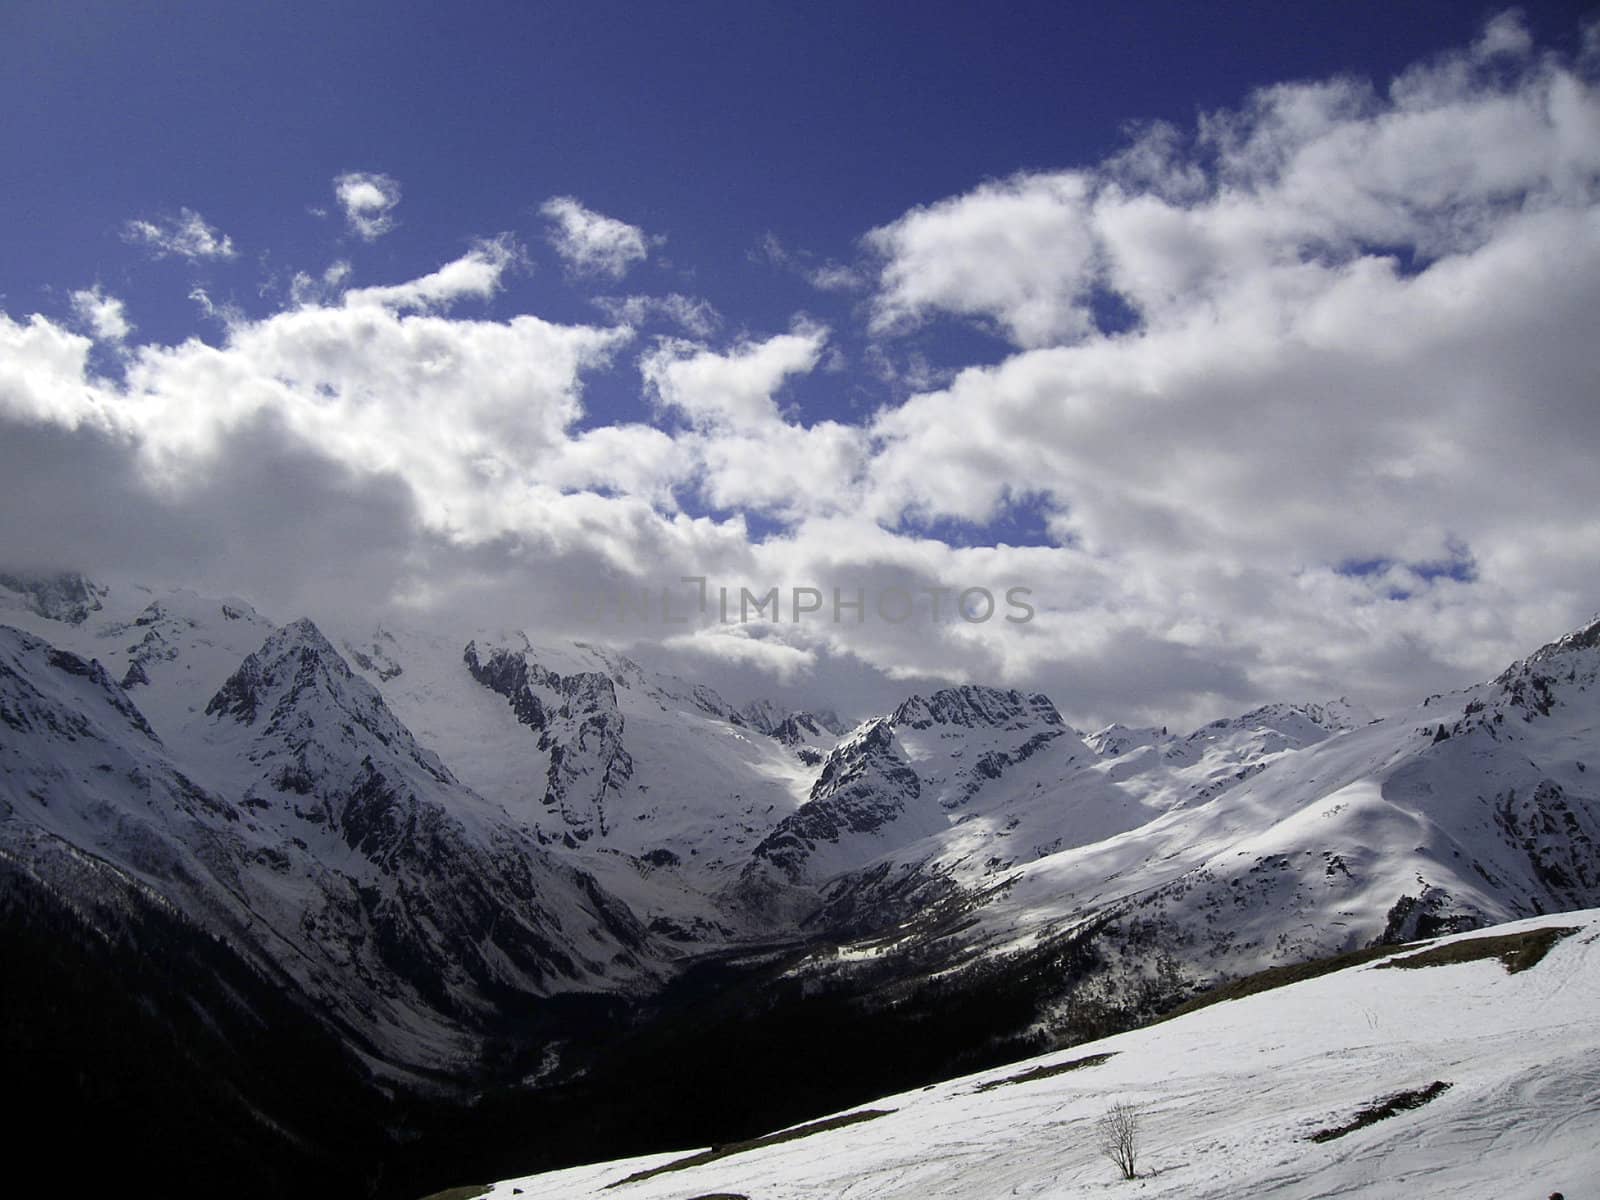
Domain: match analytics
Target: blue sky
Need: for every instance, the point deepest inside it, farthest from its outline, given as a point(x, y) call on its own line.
point(711, 124)
point(1172, 311)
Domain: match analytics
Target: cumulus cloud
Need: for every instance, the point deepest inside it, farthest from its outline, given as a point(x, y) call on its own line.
point(461, 411)
point(1353, 335)
point(734, 389)
point(186, 235)
point(1018, 252)
point(1340, 437)
point(749, 455)
point(591, 243)
point(368, 199)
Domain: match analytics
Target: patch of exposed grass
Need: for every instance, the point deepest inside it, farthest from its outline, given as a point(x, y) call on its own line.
point(1382, 1110)
point(1277, 977)
point(770, 1139)
point(470, 1192)
point(1076, 1064)
point(1516, 951)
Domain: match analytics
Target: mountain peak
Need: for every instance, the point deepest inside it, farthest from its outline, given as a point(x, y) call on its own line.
point(304, 631)
point(1585, 637)
point(973, 705)
point(298, 652)
point(1335, 716)
point(1117, 739)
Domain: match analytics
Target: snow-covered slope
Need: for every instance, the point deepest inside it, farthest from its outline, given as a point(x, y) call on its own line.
point(952, 794)
point(445, 816)
point(1228, 1099)
point(654, 784)
point(1303, 840)
point(972, 770)
point(415, 879)
point(295, 815)
point(1464, 811)
point(170, 648)
point(82, 768)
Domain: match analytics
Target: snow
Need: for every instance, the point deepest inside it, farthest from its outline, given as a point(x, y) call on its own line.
point(297, 817)
point(1228, 1097)
point(702, 787)
point(1251, 853)
point(1288, 832)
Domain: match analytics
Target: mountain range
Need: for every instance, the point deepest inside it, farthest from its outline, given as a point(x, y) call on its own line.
point(477, 870)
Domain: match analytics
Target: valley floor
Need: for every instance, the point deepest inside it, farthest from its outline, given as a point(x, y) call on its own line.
point(1229, 1097)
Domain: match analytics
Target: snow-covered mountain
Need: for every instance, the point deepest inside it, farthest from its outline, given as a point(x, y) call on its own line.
point(1487, 1081)
point(961, 768)
point(294, 815)
point(1285, 834)
point(475, 856)
point(1286, 831)
point(656, 785)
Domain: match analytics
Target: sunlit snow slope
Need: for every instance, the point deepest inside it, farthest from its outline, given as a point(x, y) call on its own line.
point(1229, 1097)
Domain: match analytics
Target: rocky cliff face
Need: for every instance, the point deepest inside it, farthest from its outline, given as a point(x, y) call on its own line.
point(579, 725)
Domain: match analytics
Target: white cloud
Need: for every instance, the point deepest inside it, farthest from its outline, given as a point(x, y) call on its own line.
point(306, 289)
point(630, 460)
point(475, 275)
point(733, 390)
point(1504, 35)
point(827, 276)
point(779, 660)
point(748, 455)
point(1362, 333)
point(790, 470)
point(591, 243)
point(1353, 337)
point(104, 316)
point(226, 313)
point(1019, 252)
point(751, 455)
point(835, 277)
point(187, 236)
point(368, 199)
point(464, 412)
point(697, 318)
point(44, 373)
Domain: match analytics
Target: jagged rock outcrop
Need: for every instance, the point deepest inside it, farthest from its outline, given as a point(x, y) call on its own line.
point(580, 726)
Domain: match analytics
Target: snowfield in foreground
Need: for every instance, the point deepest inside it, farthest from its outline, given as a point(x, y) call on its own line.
point(1229, 1097)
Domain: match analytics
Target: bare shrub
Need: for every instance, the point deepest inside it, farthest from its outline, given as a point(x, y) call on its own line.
point(1118, 1137)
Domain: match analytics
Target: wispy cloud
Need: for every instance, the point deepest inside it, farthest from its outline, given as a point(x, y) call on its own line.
point(305, 288)
point(824, 275)
point(186, 235)
point(697, 318)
